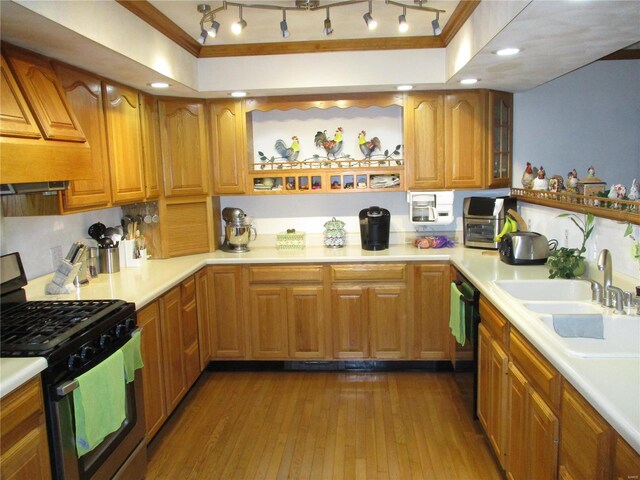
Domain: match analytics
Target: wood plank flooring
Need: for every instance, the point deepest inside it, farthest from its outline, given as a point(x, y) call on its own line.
point(322, 425)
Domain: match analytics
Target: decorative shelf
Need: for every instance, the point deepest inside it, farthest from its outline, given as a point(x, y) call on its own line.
point(613, 209)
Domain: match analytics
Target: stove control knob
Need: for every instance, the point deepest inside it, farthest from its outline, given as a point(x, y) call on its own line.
point(105, 340)
point(87, 353)
point(121, 330)
point(74, 362)
point(130, 324)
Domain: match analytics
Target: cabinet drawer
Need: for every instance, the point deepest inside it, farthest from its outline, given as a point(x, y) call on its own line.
point(536, 368)
point(188, 290)
point(369, 272)
point(285, 274)
point(21, 411)
point(493, 320)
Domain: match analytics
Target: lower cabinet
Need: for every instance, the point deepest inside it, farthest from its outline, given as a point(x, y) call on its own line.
point(175, 378)
point(24, 450)
point(227, 338)
point(431, 334)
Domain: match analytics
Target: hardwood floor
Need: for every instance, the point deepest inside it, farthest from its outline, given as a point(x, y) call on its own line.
point(322, 425)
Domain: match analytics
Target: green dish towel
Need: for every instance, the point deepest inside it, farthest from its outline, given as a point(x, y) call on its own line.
point(456, 315)
point(99, 402)
point(132, 357)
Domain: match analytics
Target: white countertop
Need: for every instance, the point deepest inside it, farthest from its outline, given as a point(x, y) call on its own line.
point(612, 385)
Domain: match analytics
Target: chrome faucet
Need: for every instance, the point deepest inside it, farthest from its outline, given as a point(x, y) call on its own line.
point(614, 296)
point(604, 265)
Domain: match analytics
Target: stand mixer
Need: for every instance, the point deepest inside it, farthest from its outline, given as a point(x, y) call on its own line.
point(237, 231)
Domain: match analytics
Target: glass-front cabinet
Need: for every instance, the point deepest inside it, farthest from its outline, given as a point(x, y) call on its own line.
point(500, 142)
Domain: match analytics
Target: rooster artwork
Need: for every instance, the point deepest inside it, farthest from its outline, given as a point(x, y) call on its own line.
point(529, 175)
point(367, 147)
point(290, 154)
point(332, 147)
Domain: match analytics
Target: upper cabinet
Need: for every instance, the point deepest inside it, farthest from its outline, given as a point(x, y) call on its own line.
point(124, 138)
point(460, 140)
point(84, 93)
point(228, 133)
point(151, 145)
point(183, 137)
point(37, 126)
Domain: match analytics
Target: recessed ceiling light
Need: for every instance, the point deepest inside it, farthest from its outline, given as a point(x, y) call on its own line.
point(505, 52)
point(159, 85)
point(404, 88)
point(469, 81)
point(238, 94)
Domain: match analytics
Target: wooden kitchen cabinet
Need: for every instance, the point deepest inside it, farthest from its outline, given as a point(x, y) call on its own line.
point(499, 139)
point(175, 375)
point(464, 126)
point(492, 391)
point(369, 311)
point(431, 334)
point(205, 315)
point(84, 94)
point(40, 137)
point(626, 463)
point(585, 439)
point(124, 140)
point(151, 149)
point(155, 406)
point(190, 330)
point(24, 449)
point(424, 140)
point(183, 137)
point(228, 136)
point(226, 328)
point(286, 319)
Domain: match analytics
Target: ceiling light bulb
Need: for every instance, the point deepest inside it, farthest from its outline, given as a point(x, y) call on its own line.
point(468, 81)
point(238, 94)
point(507, 51)
point(159, 85)
point(327, 30)
point(368, 19)
point(237, 27)
point(404, 88)
point(436, 24)
point(403, 26)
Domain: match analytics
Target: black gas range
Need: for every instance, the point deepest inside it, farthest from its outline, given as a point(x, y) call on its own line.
point(74, 336)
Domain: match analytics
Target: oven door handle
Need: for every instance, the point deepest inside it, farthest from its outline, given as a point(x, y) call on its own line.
point(67, 387)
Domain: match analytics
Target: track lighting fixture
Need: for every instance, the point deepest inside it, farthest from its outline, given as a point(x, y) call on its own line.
point(368, 19)
point(240, 24)
point(436, 24)
point(403, 26)
point(209, 26)
point(284, 29)
point(327, 30)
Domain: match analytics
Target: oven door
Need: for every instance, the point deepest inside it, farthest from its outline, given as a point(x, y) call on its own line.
point(122, 454)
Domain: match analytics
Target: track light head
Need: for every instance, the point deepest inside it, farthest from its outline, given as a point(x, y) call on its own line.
point(203, 36)
point(327, 30)
point(403, 26)
point(213, 29)
point(436, 24)
point(240, 25)
point(371, 23)
point(284, 28)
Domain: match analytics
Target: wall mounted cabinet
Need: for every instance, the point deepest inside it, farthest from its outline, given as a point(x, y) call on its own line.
point(151, 147)
point(229, 132)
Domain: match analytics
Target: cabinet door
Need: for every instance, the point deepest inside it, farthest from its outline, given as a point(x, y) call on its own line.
point(424, 140)
point(46, 97)
point(431, 335)
point(517, 468)
point(173, 348)
point(190, 330)
point(184, 147)
point(151, 146)
point(464, 146)
point(228, 133)
point(484, 357)
point(500, 140)
point(627, 461)
point(16, 119)
point(542, 438)
point(268, 320)
point(84, 93)
point(305, 312)
point(124, 141)
point(204, 316)
point(585, 439)
point(388, 321)
point(226, 331)
point(349, 314)
point(155, 407)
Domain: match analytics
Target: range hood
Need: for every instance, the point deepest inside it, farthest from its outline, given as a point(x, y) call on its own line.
point(35, 187)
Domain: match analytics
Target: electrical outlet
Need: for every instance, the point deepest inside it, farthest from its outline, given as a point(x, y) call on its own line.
point(566, 238)
point(635, 249)
point(56, 257)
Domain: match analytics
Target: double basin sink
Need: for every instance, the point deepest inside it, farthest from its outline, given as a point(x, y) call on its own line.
point(571, 299)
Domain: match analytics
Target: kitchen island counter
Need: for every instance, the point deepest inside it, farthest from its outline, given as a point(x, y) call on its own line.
point(611, 385)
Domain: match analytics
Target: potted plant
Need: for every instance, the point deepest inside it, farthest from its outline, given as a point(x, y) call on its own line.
point(565, 262)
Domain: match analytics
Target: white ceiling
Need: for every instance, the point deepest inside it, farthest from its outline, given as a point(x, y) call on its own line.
point(264, 25)
point(556, 37)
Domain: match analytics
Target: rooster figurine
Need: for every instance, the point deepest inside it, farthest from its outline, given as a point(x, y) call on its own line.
point(332, 147)
point(289, 154)
point(367, 147)
point(529, 175)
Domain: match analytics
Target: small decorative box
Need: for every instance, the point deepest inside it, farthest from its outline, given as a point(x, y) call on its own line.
point(590, 187)
point(290, 241)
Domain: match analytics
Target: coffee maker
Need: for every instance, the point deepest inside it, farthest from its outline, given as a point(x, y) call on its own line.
point(237, 231)
point(374, 228)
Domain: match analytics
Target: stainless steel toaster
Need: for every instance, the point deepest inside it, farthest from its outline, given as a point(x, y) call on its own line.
point(524, 248)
